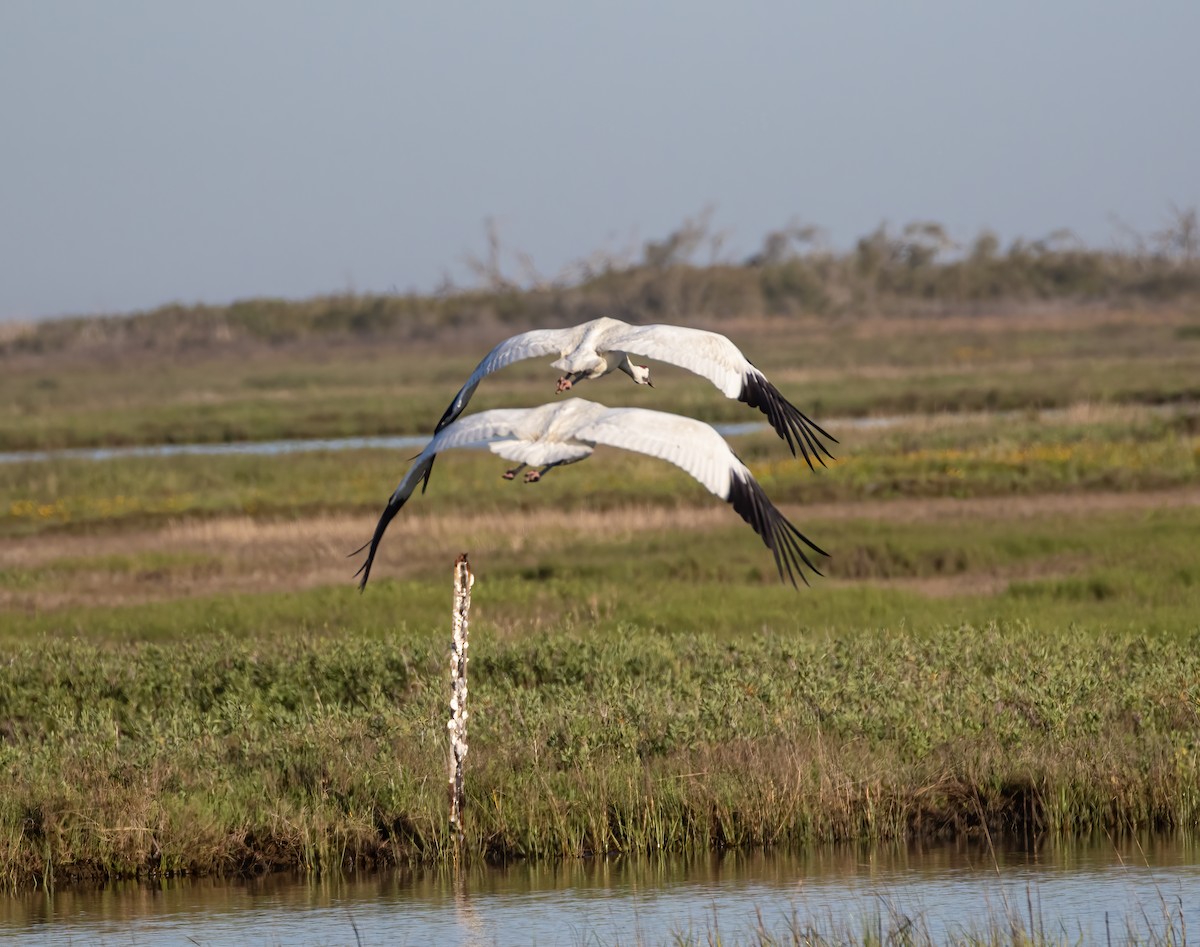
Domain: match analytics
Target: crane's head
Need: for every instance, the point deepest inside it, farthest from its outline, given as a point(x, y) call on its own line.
point(640, 374)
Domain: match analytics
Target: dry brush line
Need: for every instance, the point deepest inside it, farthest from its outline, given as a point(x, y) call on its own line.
point(1056, 365)
point(328, 537)
point(1057, 317)
point(241, 554)
point(246, 555)
point(932, 509)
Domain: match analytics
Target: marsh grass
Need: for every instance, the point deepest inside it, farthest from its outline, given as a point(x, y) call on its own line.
point(890, 927)
point(829, 368)
point(1095, 561)
point(234, 754)
point(1003, 663)
point(1006, 639)
point(1081, 450)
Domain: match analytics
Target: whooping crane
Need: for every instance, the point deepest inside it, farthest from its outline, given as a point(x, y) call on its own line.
point(594, 349)
point(565, 432)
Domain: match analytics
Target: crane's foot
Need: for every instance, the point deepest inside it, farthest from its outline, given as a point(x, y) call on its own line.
point(564, 384)
point(533, 476)
point(510, 474)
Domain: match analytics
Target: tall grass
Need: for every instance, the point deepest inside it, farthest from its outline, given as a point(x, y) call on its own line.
point(889, 927)
point(228, 755)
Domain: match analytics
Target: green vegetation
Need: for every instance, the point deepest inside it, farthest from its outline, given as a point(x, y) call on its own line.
point(224, 753)
point(831, 369)
point(1085, 450)
point(1016, 664)
point(1005, 639)
point(905, 322)
point(696, 571)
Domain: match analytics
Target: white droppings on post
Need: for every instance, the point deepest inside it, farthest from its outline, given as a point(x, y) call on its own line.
point(457, 726)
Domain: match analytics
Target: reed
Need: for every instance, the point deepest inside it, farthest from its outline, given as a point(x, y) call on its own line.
point(890, 927)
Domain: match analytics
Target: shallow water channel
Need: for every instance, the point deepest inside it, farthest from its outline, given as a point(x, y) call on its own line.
point(416, 442)
point(265, 448)
point(1094, 892)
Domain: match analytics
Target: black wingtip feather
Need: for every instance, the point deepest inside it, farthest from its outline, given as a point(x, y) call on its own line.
point(389, 513)
point(792, 424)
point(448, 416)
point(455, 408)
point(777, 533)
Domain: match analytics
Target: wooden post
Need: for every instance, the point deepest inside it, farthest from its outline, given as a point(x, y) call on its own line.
point(463, 580)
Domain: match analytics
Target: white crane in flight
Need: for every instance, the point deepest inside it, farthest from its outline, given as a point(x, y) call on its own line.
point(597, 348)
point(565, 432)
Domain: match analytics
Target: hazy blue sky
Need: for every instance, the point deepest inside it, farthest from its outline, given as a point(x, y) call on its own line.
point(207, 151)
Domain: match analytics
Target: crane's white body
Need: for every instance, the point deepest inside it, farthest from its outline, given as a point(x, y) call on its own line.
point(587, 350)
point(597, 348)
point(567, 431)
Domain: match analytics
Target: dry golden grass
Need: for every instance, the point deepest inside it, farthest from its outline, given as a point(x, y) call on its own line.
point(1028, 318)
point(242, 554)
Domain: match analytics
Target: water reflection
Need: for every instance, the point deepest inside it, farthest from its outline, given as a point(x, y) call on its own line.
point(1061, 889)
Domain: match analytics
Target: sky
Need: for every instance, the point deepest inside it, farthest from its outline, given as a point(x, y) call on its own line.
point(155, 152)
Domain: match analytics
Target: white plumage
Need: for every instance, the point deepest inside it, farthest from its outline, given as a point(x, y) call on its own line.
point(597, 348)
point(566, 432)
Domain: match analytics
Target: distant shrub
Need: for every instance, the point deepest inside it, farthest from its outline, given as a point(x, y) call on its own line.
point(919, 268)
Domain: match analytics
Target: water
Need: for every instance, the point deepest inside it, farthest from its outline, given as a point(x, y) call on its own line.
point(296, 446)
point(409, 442)
point(1076, 892)
point(301, 445)
point(208, 450)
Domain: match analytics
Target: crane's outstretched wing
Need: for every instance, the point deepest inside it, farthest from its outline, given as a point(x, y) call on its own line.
point(487, 428)
point(713, 356)
point(533, 344)
point(699, 450)
point(567, 430)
